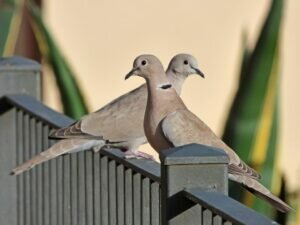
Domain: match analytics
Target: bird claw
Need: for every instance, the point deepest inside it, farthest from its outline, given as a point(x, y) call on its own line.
point(97, 148)
point(138, 155)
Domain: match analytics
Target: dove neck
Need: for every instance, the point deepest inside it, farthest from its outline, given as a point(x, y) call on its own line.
point(160, 98)
point(157, 81)
point(176, 80)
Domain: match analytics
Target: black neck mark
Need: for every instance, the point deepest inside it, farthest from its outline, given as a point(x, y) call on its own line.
point(166, 86)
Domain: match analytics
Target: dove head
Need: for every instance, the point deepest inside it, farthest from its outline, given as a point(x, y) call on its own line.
point(146, 66)
point(184, 65)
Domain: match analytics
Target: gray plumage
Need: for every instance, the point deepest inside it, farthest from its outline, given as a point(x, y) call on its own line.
point(118, 124)
point(168, 123)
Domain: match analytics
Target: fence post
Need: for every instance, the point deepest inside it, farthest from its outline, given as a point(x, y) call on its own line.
point(17, 75)
point(20, 75)
point(190, 166)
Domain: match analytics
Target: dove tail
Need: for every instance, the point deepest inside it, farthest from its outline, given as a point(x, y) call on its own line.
point(271, 199)
point(62, 147)
point(38, 159)
point(261, 191)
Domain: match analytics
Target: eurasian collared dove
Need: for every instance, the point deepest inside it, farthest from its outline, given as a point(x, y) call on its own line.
point(168, 123)
point(118, 124)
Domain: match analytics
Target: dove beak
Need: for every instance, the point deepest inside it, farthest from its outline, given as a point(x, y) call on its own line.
point(199, 72)
point(131, 73)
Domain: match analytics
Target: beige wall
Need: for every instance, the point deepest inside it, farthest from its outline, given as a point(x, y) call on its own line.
point(101, 39)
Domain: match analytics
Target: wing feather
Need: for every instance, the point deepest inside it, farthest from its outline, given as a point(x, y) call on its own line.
point(183, 127)
point(120, 120)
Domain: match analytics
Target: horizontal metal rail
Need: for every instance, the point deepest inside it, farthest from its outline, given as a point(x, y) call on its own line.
point(218, 208)
point(147, 168)
point(36, 109)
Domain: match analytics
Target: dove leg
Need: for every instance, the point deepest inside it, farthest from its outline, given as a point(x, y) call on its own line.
point(97, 148)
point(137, 155)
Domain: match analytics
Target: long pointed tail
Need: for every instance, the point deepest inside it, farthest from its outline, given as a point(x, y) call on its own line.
point(262, 192)
point(59, 148)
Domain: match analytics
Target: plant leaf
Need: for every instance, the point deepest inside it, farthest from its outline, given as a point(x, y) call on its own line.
point(252, 125)
point(71, 96)
point(10, 23)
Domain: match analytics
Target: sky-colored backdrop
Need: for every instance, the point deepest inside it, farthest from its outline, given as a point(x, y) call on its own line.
point(101, 38)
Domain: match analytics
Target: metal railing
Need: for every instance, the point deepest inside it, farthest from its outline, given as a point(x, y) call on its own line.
point(86, 188)
point(80, 188)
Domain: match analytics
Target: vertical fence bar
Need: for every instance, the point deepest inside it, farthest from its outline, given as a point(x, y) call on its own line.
point(190, 166)
point(33, 151)
point(66, 190)
point(59, 185)
point(217, 220)
point(89, 186)
point(74, 190)
point(81, 188)
point(26, 175)
point(104, 191)
point(206, 217)
point(53, 190)
point(120, 194)
point(146, 201)
point(112, 192)
point(137, 199)
point(128, 197)
point(97, 189)
point(155, 204)
point(40, 193)
point(20, 192)
point(46, 180)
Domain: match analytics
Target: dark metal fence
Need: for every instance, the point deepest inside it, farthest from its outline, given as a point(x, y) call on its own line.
point(85, 188)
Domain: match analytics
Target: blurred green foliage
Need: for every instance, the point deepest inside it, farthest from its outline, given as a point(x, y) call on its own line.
point(252, 125)
point(11, 14)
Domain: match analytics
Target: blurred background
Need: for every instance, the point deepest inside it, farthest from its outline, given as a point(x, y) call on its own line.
point(248, 50)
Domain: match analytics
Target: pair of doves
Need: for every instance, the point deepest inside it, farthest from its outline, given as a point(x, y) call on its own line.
point(167, 123)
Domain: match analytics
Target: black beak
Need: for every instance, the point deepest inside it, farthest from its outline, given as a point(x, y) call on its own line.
point(131, 73)
point(199, 72)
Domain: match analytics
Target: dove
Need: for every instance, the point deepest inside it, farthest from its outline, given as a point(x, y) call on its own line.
point(118, 124)
point(168, 123)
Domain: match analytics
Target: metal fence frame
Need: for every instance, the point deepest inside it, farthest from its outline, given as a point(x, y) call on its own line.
point(188, 187)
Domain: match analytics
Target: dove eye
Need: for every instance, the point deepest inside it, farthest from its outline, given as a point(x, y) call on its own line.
point(144, 62)
point(185, 62)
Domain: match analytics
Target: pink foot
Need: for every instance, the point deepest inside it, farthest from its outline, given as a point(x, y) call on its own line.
point(137, 155)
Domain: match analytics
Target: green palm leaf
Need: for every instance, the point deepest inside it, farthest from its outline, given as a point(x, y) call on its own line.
point(73, 101)
point(10, 22)
point(252, 125)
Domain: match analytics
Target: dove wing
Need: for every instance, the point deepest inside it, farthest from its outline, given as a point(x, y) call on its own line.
point(183, 127)
point(120, 120)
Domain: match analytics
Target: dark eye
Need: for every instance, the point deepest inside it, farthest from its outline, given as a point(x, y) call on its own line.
point(144, 62)
point(185, 62)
